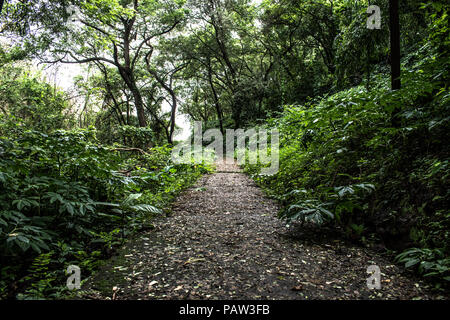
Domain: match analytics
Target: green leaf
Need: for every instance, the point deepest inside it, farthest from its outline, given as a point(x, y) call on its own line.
point(132, 197)
point(146, 208)
point(327, 212)
point(411, 263)
point(35, 247)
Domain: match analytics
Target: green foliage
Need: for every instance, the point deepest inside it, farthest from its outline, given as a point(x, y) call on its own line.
point(64, 193)
point(433, 263)
point(371, 162)
point(28, 101)
point(343, 163)
point(138, 137)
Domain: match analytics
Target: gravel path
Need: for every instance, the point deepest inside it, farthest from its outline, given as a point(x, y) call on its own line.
point(224, 241)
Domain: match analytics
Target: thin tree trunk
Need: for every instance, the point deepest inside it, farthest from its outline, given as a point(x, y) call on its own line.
point(139, 103)
point(216, 100)
point(394, 25)
point(395, 44)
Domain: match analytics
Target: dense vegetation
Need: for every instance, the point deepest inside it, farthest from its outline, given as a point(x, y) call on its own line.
point(66, 197)
point(350, 167)
point(345, 162)
point(82, 169)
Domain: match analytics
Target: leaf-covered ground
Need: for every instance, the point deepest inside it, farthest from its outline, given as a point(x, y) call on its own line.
point(223, 240)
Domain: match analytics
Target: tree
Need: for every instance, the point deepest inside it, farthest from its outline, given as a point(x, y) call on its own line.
point(165, 75)
point(394, 25)
point(221, 43)
point(118, 37)
point(113, 32)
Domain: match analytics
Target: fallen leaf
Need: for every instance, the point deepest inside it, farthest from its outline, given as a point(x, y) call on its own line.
point(297, 288)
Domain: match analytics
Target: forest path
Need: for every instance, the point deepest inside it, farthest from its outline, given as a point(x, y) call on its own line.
point(224, 241)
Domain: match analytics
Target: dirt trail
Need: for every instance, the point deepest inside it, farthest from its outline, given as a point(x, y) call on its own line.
point(224, 241)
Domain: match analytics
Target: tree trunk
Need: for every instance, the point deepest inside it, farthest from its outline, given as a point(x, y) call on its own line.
point(139, 103)
point(172, 115)
point(216, 98)
point(394, 24)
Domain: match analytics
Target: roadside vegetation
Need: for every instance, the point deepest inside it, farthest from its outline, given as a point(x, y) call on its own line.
point(84, 168)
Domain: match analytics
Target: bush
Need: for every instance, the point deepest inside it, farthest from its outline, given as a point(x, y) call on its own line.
point(69, 199)
point(342, 162)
